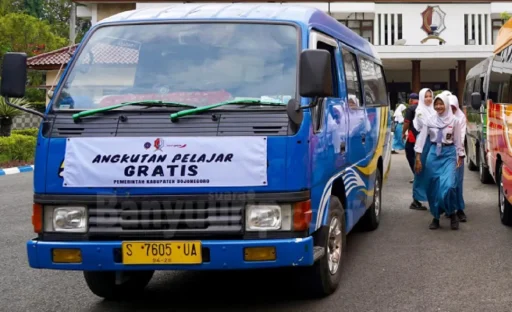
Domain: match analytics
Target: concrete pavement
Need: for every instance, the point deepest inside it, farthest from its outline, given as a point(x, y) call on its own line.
point(402, 266)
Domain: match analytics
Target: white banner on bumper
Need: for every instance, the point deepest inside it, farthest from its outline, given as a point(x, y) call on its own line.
point(166, 162)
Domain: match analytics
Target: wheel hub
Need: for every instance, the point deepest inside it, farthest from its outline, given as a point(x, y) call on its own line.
point(334, 246)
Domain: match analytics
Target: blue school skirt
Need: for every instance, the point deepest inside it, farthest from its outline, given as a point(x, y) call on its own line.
point(442, 180)
point(420, 184)
point(460, 205)
point(398, 142)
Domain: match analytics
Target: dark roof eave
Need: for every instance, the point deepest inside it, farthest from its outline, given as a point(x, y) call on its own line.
point(46, 67)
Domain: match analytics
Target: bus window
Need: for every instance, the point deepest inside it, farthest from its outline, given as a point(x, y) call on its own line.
point(467, 92)
point(352, 78)
point(499, 85)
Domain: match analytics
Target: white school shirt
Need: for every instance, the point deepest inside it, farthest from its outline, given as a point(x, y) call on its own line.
point(462, 121)
point(451, 135)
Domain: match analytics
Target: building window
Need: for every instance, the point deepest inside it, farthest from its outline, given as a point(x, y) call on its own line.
point(363, 28)
point(389, 28)
point(476, 29)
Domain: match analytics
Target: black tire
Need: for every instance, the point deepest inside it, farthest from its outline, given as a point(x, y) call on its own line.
point(103, 284)
point(504, 206)
point(483, 172)
point(471, 165)
point(371, 218)
point(321, 280)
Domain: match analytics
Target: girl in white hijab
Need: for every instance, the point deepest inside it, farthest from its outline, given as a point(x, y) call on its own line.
point(424, 111)
point(425, 108)
point(445, 155)
point(461, 117)
point(398, 142)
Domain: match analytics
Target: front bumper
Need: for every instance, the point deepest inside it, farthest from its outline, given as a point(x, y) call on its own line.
point(218, 255)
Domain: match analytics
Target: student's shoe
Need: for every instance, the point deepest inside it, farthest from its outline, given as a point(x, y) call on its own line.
point(461, 215)
point(394, 152)
point(454, 223)
point(434, 225)
point(416, 205)
point(411, 181)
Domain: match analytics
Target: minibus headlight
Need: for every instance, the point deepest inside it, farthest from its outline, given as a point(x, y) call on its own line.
point(268, 217)
point(65, 219)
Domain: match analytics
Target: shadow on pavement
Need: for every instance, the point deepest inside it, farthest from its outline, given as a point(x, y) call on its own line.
point(228, 290)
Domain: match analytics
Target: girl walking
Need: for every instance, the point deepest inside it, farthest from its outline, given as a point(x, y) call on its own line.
point(424, 111)
point(460, 205)
point(398, 142)
point(444, 157)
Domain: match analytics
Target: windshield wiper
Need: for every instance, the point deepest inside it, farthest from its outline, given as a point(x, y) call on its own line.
point(242, 101)
point(149, 103)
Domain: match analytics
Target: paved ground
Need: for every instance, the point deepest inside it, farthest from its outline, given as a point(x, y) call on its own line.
point(402, 266)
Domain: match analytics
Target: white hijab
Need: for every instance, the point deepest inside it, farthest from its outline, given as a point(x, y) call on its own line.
point(446, 92)
point(423, 112)
point(441, 121)
point(398, 113)
point(452, 99)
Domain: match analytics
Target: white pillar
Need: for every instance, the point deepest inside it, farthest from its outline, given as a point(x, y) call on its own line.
point(376, 29)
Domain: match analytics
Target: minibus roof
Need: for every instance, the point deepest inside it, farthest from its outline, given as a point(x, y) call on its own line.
point(305, 15)
point(504, 38)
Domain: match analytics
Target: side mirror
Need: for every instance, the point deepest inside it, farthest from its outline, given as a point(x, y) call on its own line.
point(476, 100)
point(315, 76)
point(14, 80)
point(14, 75)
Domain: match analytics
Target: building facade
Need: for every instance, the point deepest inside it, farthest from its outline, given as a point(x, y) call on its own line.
point(422, 44)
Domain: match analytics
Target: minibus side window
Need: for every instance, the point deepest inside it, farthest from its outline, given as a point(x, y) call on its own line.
point(352, 79)
point(375, 93)
point(468, 91)
point(317, 112)
point(499, 84)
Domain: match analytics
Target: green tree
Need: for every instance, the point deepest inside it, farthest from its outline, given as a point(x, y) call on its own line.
point(505, 16)
point(20, 32)
point(24, 33)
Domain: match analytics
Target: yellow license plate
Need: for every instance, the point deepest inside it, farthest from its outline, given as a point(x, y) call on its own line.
point(172, 252)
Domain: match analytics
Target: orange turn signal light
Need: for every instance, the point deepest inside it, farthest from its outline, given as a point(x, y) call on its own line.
point(260, 254)
point(66, 255)
point(37, 218)
point(302, 215)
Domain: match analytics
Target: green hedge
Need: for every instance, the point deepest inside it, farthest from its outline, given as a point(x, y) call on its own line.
point(29, 131)
point(20, 146)
point(38, 106)
point(17, 147)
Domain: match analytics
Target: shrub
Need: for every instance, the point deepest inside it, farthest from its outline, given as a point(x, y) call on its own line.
point(17, 147)
point(29, 131)
point(38, 106)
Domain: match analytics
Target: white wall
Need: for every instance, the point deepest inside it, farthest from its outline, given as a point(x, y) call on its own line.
point(426, 76)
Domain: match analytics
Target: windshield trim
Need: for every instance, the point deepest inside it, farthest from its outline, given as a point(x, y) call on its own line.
point(78, 52)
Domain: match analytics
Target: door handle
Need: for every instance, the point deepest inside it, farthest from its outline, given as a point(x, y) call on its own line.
point(342, 147)
point(363, 138)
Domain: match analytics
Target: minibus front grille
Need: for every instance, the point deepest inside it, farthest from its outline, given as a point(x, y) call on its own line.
point(152, 123)
point(167, 219)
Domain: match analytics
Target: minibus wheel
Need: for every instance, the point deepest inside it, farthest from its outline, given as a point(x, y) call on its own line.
point(107, 285)
point(325, 275)
point(485, 176)
point(371, 218)
point(503, 203)
point(471, 165)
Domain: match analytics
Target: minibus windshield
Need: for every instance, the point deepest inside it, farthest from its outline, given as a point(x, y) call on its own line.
point(191, 63)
